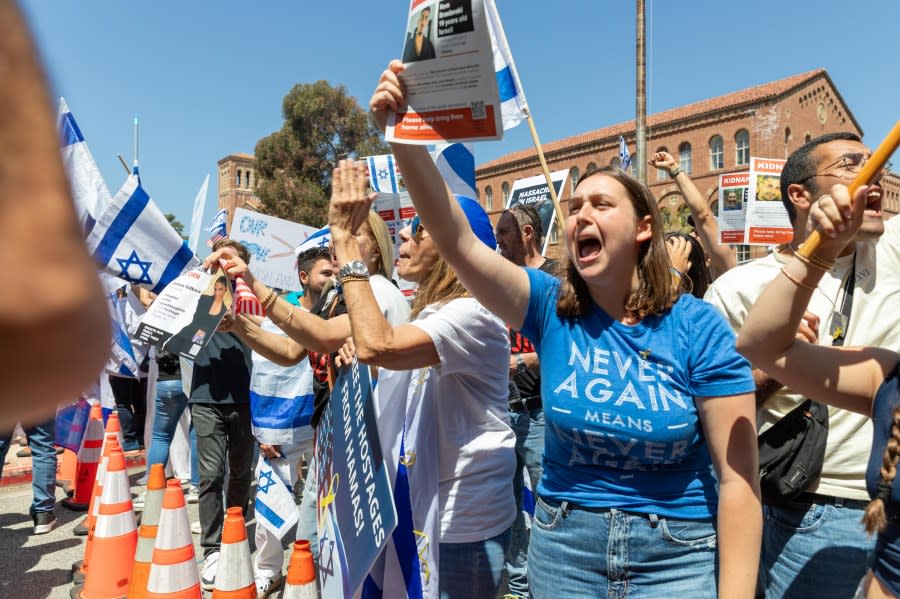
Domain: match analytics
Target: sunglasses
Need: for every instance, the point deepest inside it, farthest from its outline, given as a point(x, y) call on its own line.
point(417, 229)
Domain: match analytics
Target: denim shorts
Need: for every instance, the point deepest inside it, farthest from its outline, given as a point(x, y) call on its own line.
point(579, 552)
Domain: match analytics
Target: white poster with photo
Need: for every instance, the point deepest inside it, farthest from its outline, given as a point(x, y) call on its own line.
point(733, 193)
point(451, 86)
point(271, 242)
point(185, 314)
point(767, 221)
point(534, 192)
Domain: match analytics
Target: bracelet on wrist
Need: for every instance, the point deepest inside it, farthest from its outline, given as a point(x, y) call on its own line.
point(675, 172)
point(287, 318)
point(270, 300)
point(797, 281)
point(676, 273)
point(815, 261)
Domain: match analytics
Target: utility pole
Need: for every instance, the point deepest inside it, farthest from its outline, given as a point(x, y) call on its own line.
point(640, 142)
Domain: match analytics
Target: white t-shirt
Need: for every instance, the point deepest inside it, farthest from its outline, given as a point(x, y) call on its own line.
point(390, 300)
point(469, 393)
point(874, 321)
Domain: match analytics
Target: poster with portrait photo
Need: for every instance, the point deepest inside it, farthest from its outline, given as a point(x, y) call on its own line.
point(766, 221)
point(182, 319)
point(534, 192)
point(732, 202)
point(451, 85)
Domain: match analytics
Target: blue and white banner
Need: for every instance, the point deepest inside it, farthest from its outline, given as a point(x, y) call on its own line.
point(624, 155)
point(321, 238)
point(383, 174)
point(281, 398)
point(89, 190)
point(133, 241)
point(218, 227)
point(275, 507)
point(456, 163)
point(197, 216)
point(512, 97)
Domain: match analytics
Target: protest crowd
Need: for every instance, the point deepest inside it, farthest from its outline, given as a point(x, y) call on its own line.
point(642, 417)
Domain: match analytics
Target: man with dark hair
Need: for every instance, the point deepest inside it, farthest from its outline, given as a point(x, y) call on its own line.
point(815, 545)
point(519, 238)
point(220, 410)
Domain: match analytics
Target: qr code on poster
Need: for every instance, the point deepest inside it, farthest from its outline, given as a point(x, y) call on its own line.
point(478, 112)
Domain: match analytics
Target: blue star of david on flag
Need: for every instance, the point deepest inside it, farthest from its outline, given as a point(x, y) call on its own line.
point(383, 175)
point(265, 481)
point(275, 507)
point(134, 260)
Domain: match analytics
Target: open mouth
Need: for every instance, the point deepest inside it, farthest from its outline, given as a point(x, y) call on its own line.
point(873, 202)
point(588, 247)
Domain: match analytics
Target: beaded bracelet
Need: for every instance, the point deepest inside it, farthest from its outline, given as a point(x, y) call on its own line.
point(270, 300)
point(815, 261)
point(796, 281)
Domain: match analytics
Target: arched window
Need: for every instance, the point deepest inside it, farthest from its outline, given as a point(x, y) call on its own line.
point(573, 174)
point(686, 158)
point(788, 136)
point(247, 178)
point(716, 153)
point(616, 162)
point(505, 189)
point(661, 173)
point(742, 147)
point(591, 167)
point(489, 197)
point(238, 180)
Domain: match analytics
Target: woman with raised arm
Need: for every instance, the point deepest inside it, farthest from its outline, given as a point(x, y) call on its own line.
point(721, 257)
point(864, 380)
point(644, 395)
point(443, 393)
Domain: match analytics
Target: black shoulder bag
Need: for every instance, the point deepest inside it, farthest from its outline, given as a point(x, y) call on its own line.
point(792, 451)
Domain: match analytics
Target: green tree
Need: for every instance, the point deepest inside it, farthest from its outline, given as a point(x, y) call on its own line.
point(176, 224)
point(322, 124)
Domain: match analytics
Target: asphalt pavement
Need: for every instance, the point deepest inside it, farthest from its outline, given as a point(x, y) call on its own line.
point(39, 567)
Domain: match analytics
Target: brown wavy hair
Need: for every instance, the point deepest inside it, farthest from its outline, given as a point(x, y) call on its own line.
point(656, 290)
point(439, 286)
point(875, 517)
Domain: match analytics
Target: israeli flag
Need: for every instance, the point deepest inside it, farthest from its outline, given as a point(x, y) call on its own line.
point(321, 238)
point(219, 222)
point(624, 156)
point(513, 106)
point(456, 163)
point(133, 241)
point(124, 360)
point(89, 190)
point(281, 398)
point(383, 174)
point(275, 507)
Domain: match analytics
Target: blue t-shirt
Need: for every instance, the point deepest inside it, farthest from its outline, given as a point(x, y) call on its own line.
point(622, 430)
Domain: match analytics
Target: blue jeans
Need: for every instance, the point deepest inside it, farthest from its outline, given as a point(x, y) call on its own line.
point(473, 570)
point(43, 464)
point(814, 550)
point(529, 429)
point(576, 552)
point(170, 404)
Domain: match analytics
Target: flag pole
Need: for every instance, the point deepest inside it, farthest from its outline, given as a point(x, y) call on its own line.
point(540, 152)
point(124, 165)
point(135, 140)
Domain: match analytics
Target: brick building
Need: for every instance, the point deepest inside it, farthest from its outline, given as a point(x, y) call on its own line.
point(709, 138)
point(237, 182)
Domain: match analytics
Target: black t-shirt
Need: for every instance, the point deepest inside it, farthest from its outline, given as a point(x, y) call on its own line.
point(529, 382)
point(222, 371)
point(321, 361)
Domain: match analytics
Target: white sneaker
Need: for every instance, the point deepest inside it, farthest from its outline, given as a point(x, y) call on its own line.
point(266, 586)
point(208, 571)
point(192, 495)
point(195, 527)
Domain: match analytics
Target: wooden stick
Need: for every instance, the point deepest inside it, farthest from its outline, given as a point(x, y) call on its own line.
point(540, 152)
point(873, 165)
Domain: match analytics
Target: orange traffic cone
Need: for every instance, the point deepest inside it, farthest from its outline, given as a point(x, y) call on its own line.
point(114, 426)
point(79, 568)
point(143, 558)
point(234, 576)
point(114, 536)
point(68, 464)
point(88, 460)
point(301, 576)
point(174, 574)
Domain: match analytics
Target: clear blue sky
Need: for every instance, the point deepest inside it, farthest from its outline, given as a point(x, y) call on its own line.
point(207, 78)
